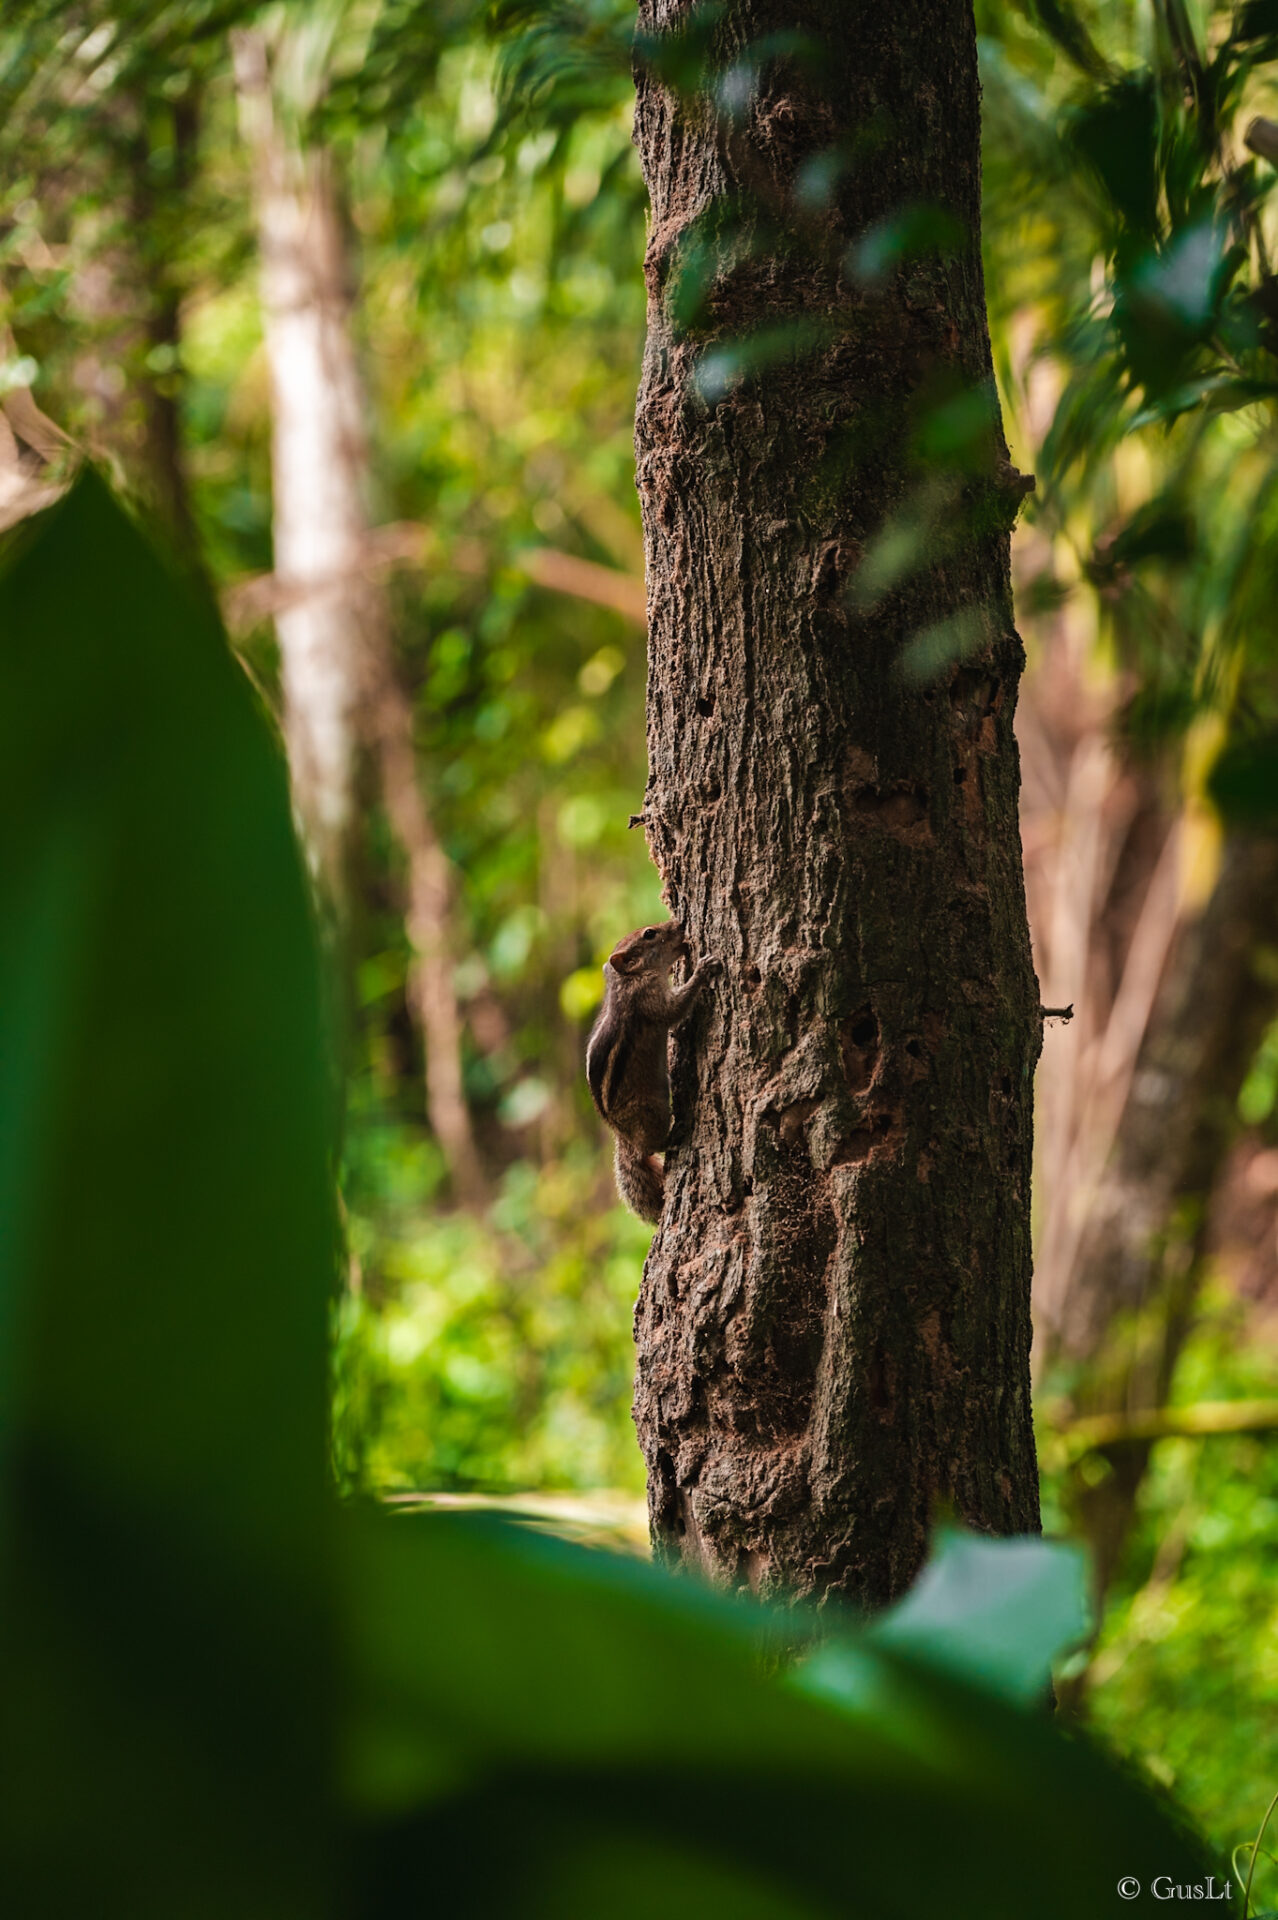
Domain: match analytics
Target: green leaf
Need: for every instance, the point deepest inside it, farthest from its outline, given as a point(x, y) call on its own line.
point(1244, 781)
point(1116, 132)
point(721, 369)
point(914, 232)
point(1214, 392)
point(166, 1246)
point(605, 1720)
point(995, 1611)
point(1063, 24)
point(1256, 20)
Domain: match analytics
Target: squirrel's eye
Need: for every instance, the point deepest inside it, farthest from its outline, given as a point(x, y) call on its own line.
point(650, 933)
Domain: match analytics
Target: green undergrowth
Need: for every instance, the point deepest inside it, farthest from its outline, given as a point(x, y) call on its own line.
point(487, 1353)
point(1185, 1679)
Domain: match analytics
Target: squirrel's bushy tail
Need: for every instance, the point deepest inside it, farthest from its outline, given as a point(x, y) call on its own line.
point(640, 1180)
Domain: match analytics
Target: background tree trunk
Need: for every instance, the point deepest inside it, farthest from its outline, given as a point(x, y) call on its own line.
point(319, 460)
point(1138, 1095)
point(1103, 846)
point(1140, 1256)
point(128, 304)
point(341, 681)
point(834, 1325)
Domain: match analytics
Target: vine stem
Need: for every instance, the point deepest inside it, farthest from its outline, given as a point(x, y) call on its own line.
point(1255, 1853)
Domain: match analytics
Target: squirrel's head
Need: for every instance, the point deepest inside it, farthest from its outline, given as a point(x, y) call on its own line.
point(650, 950)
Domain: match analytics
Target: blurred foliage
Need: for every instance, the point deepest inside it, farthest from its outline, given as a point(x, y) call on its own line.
point(503, 294)
point(499, 246)
point(168, 1233)
point(1129, 246)
point(498, 218)
point(1186, 1675)
point(499, 241)
point(500, 1355)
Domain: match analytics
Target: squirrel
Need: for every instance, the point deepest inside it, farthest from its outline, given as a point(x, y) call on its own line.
point(626, 1062)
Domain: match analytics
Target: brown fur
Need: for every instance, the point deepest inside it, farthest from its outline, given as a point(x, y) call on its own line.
point(626, 1061)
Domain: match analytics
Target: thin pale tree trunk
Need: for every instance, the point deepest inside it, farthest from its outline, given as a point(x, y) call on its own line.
point(428, 917)
point(319, 461)
point(341, 682)
point(834, 1325)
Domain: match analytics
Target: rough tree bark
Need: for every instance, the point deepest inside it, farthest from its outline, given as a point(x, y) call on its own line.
point(833, 1329)
point(341, 679)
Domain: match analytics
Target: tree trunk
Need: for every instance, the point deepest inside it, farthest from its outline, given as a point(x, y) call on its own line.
point(341, 681)
point(318, 461)
point(1138, 1107)
point(428, 918)
point(1103, 857)
point(1140, 1258)
point(153, 214)
point(833, 1329)
point(128, 305)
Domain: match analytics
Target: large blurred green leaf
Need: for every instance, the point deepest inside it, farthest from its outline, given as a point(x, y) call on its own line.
point(166, 1248)
point(532, 1719)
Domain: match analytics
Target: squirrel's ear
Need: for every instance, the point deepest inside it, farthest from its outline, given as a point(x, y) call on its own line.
point(624, 960)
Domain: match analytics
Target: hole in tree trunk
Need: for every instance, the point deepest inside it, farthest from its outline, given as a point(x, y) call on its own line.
point(859, 1048)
